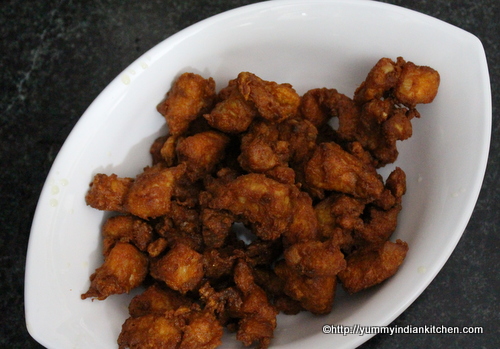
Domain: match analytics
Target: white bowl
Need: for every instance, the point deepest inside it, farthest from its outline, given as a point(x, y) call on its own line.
point(309, 43)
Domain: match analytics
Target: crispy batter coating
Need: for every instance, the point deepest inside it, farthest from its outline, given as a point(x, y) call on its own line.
point(315, 258)
point(190, 96)
point(181, 268)
point(216, 227)
point(386, 103)
point(126, 229)
point(150, 194)
point(259, 316)
point(417, 84)
point(371, 265)
point(124, 268)
point(107, 193)
point(332, 168)
point(233, 114)
point(202, 331)
point(181, 225)
point(314, 294)
point(157, 300)
point(150, 332)
point(274, 102)
point(201, 152)
point(265, 203)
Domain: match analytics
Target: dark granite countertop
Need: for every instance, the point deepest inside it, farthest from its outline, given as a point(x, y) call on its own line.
point(57, 56)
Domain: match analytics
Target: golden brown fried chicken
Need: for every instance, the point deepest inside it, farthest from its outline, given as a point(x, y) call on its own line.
point(274, 102)
point(181, 268)
point(314, 294)
point(232, 114)
point(258, 319)
point(386, 103)
point(181, 225)
point(107, 193)
point(126, 229)
point(150, 331)
point(371, 265)
point(124, 268)
point(315, 258)
point(304, 224)
point(262, 149)
point(216, 226)
point(332, 168)
point(157, 300)
point(202, 331)
point(150, 194)
point(263, 202)
point(201, 152)
point(190, 97)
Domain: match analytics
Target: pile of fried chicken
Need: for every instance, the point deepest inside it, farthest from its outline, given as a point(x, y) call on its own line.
point(254, 205)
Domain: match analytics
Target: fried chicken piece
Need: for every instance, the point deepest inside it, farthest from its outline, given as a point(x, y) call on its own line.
point(262, 149)
point(216, 226)
point(190, 97)
point(338, 215)
point(163, 150)
point(314, 294)
point(417, 84)
point(371, 265)
point(232, 114)
point(219, 262)
point(107, 193)
point(386, 103)
point(157, 300)
point(202, 331)
point(201, 152)
point(379, 224)
point(157, 247)
point(150, 194)
point(263, 202)
point(332, 168)
point(304, 224)
point(150, 331)
point(259, 316)
point(126, 229)
point(124, 268)
point(181, 225)
point(274, 102)
point(315, 258)
point(181, 268)
point(314, 108)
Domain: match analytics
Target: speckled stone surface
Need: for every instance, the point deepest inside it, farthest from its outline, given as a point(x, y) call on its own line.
point(56, 58)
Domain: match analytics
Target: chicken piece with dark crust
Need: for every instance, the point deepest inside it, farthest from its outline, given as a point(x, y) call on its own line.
point(150, 331)
point(315, 258)
point(107, 193)
point(258, 319)
point(265, 203)
point(232, 114)
point(190, 97)
point(124, 268)
point(274, 102)
point(371, 265)
point(332, 168)
point(314, 294)
point(126, 229)
point(157, 300)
